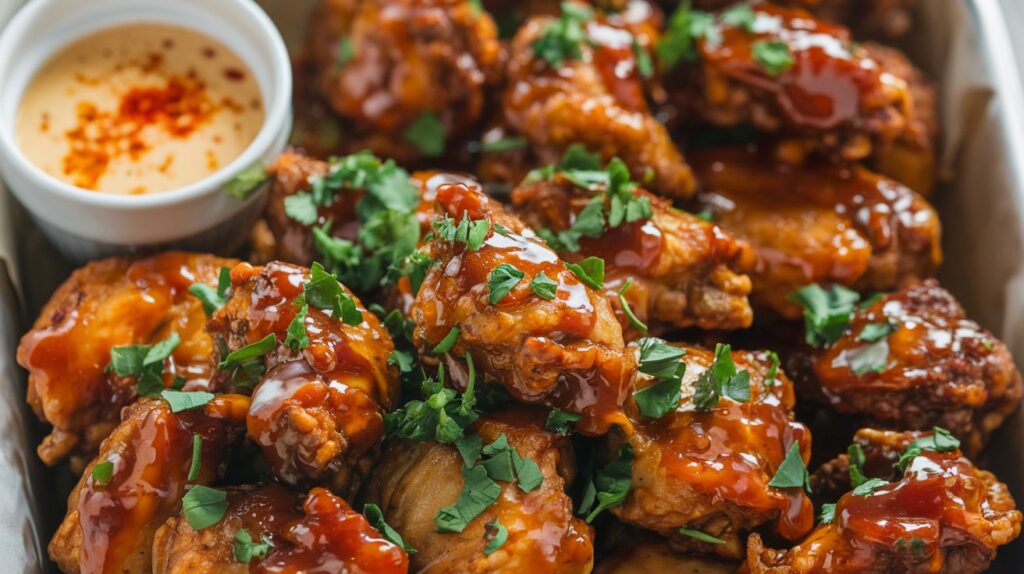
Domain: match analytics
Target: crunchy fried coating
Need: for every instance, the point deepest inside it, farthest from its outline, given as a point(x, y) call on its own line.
point(684, 269)
point(416, 479)
point(709, 470)
point(384, 66)
point(286, 239)
point(832, 97)
point(942, 514)
point(566, 352)
point(321, 534)
point(317, 411)
point(110, 525)
point(935, 367)
point(104, 304)
point(598, 100)
point(818, 224)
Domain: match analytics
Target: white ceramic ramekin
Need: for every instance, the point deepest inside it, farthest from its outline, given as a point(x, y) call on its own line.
point(88, 224)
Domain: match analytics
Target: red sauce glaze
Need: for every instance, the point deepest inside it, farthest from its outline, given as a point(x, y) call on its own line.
point(830, 83)
point(615, 60)
point(333, 539)
point(151, 456)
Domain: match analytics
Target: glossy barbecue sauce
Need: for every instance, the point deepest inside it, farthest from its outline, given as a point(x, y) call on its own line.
point(150, 468)
point(463, 275)
point(139, 108)
point(831, 83)
point(734, 450)
point(342, 374)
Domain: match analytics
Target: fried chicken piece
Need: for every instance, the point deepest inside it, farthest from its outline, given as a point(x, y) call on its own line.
point(317, 410)
point(110, 523)
point(929, 366)
point(596, 97)
point(286, 239)
point(818, 224)
point(322, 534)
point(684, 269)
point(888, 19)
point(941, 514)
point(395, 68)
point(566, 352)
point(654, 556)
point(709, 470)
point(824, 92)
point(416, 479)
point(110, 303)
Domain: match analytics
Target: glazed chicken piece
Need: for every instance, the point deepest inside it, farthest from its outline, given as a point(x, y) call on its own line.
point(577, 79)
point(317, 410)
point(912, 360)
point(279, 237)
point(415, 480)
point(940, 514)
point(707, 466)
point(683, 269)
point(888, 19)
point(315, 533)
point(105, 304)
point(818, 224)
point(404, 73)
point(563, 350)
point(789, 74)
point(648, 556)
point(138, 480)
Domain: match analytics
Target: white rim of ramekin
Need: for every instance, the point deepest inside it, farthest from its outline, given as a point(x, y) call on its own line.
point(274, 120)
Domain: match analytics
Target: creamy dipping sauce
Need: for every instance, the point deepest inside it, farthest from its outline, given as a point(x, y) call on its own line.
point(140, 108)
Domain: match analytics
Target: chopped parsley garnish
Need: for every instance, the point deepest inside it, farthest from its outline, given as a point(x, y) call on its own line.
point(658, 358)
point(324, 292)
point(471, 232)
point(301, 208)
point(375, 517)
point(426, 132)
point(703, 537)
point(508, 143)
point(870, 358)
point(562, 38)
point(184, 401)
point(874, 331)
point(102, 472)
point(792, 473)
point(543, 286)
point(590, 271)
point(197, 456)
point(661, 398)
point(249, 352)
point(609, 486)
point(684, 28)
point(478, 493)
point(773, 370)
point(501, 281)
point(442, 416)
point(633, 320)
point(296, 338)
point(826, 312)
point(245, 549)
point(773, 56)
point(560, 421)
point(721, 379)
point(918, 547)
point(828, 513)
point(857, 461)
point(941, 440)
point(869, 486)
point(213, 299)
point(644, 63)
point(739, 16)
point(204, 506)
point(247, 181)
point(496, 534)
point(447, 342)
point(346, 51)
point(146, 362)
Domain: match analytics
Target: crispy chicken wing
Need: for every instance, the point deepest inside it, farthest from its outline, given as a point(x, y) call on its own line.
point(113, 514)
point(322, 534)
point(415, 480)
point(791, 74)
point(684, 269)
point(564, 350)
point(110, 303)
point(592, 92)
point(707, 467)
point(925, 365)
point(317, 409)
point(819, 223)
point(940, 514)
point(397, 69)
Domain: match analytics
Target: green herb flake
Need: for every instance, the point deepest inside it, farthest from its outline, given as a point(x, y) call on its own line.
point(246, 181)
point(197, 456)
point(323, 291)
point(213, 298)
point(827, 514)
point(633, 320)
point(426, 132)
point(559, 422)
point(874, 331)
point(250, 351)
point(661, 398)
point(773, 370)
point(941, 440)
point(184, 401)
point(510, 143)
point(447, 342)
point(609, 486)
point(562, 39)
point(869, 486)
point(296, 338)
point(722, 378)
point(658, 358)
point(590, 271)
point(871, 358)
point(375, 517)
point(792, 473)
point(204, 506)
point(644, 62)
point(698, 535)
point(102, 472)
point(773, 56)
point(478, 493)
point(544, 286)
point(739, 16)
point(826, 311)
point(496, 534)
point(301, 208)
point(246, 549)
point(684, 28)
point(501, 281)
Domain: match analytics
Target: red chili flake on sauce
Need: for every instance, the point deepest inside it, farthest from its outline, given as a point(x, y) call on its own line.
point(234, 74)
point(178, 108)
